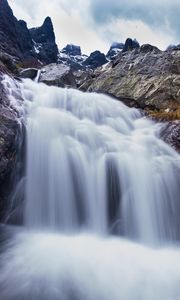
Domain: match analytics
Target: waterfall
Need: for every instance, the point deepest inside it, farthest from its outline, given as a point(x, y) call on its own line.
point(102, 207)
point(94, 164)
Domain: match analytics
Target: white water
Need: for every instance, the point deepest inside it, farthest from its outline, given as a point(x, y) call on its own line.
point(94, 167)
point(93, 163)
point(85, 267)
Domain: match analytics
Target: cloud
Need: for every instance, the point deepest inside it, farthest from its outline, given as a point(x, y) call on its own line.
point(94, 24)
point(161, 15)
point(71, 21)
point(120, 29)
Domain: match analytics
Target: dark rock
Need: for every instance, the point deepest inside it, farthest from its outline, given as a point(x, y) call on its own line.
point(18, 41)
point(24, 38)
point(29, 73)
point(44, 39)
point(9, 62)
point(10, 136)
point(130, 45)
point(71, 49)
point(95, 60)
point(171, 134)
point(9, 41)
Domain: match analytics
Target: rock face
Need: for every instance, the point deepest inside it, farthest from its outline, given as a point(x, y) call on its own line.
point(17, 40)
point(44, 42)
point(144, 78)
point(8, 63)
point(14, 36)
point(95, 60)
point(58, 75)
point(10, 135)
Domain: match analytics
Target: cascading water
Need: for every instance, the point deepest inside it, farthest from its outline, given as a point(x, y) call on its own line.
point(95, 164)
point(94, 168)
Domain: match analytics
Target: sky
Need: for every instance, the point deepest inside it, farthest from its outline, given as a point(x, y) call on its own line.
point(96, 24)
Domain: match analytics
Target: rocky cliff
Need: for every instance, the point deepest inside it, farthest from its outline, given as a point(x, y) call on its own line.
point(144, 78)
point(26, 45)
point(11, 141)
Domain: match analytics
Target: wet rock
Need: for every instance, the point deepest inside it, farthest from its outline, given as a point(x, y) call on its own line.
point(171, 134)
point(10, 135)
point(28, 73)
point(58, 75)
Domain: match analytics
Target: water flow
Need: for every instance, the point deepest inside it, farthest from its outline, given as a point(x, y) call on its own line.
point(96, 165)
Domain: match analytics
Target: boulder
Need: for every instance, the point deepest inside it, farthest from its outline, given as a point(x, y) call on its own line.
point(58, 75)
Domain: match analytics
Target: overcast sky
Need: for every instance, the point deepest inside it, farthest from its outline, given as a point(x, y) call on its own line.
point(95, 24)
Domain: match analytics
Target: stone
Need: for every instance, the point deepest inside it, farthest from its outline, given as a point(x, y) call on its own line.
point(58, 75)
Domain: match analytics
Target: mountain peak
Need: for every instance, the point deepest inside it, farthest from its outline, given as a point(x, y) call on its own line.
point(47, 22)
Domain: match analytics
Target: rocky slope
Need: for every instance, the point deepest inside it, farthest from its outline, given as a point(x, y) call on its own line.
point(144, 77)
